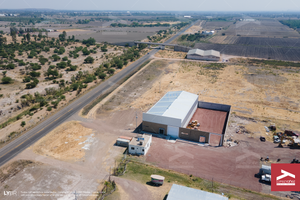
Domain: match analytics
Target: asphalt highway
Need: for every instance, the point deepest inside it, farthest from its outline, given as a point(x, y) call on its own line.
point(30, 137)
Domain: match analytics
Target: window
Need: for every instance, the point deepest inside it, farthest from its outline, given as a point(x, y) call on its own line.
point(132, 148)
point(161, 131)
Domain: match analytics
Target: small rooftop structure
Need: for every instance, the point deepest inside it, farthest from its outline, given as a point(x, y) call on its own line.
point(179, 192)
point(204, 52)
point(140, 145)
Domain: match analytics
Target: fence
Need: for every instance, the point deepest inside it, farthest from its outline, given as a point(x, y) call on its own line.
point(108, 188)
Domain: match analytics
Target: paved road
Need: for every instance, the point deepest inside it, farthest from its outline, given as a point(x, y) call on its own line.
point(21, 143)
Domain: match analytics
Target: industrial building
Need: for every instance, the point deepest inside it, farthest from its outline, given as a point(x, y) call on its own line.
point(179, 192)
point(140, 145)
point(180, 115)
point(198, 54)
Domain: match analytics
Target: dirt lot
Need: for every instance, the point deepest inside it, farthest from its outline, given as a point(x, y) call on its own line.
point(225, 165)
point(61, 173)
point(67, 142)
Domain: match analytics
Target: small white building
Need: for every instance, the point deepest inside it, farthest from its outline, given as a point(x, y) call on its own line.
point(198, 54)
point(140, 145)
point(49, 30)
point(187, 16)
point(208, 32)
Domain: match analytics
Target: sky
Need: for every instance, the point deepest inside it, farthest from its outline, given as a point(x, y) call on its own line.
point(157, 5)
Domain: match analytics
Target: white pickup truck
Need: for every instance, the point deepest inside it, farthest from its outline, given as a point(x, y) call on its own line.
point(266, 178)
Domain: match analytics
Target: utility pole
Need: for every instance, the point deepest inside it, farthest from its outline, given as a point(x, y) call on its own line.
point(136, 119)
point(75, 193)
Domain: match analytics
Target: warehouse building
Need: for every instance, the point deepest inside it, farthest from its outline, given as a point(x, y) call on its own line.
point(179, 192)
point(180, 115)
point(198, 54)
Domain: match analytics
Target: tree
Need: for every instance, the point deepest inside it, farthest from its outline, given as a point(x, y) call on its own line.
point(40, 35)
point(102, 76)
point(89, 60)
point(2, 40)
point(7, 80)
point(4, 73)
point(23, 123)
point(28, 37)
point(62, 37)
point(111, 71)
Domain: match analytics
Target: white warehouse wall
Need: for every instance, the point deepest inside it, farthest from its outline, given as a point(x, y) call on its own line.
point(190, 114)
point(159, 119)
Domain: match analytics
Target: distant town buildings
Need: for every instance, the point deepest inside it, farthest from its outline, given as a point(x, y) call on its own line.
point(5, 15)
point(187, 16)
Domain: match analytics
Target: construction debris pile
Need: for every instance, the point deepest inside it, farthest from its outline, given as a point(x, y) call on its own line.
point(194, 125)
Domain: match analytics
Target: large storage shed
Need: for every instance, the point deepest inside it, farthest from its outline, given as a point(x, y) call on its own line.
point(198, 54)
point(179, 192)
point(172, 111)
point(180, 115)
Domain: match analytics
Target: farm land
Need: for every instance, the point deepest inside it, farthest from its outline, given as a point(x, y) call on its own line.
point(262, 38)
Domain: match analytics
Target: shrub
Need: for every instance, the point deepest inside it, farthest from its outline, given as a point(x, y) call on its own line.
point(26, 79)
point(7, 80)
point(65, 58)
point(89, 60)
point(111, 71)
point(23, 123)
point(34, 74)
point(102, 76)
point(43, 60)
point(49, 108)
point(61, 65)
point(89, 79)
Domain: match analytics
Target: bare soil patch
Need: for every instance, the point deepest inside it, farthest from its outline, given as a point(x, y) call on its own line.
point(66, 142)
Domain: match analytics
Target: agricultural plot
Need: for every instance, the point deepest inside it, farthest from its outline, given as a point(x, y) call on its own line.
point(216, 24)
point(256, 41)
point(266, 52)
point(119, 35)
point(264, 28)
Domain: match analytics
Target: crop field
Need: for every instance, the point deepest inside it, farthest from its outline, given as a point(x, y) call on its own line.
point(119, 35)
point(266, 52)
point(216, 24)
point(256, 41)
point(264, 28)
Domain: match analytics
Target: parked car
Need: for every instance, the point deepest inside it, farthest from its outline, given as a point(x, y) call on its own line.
point(266, 178)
